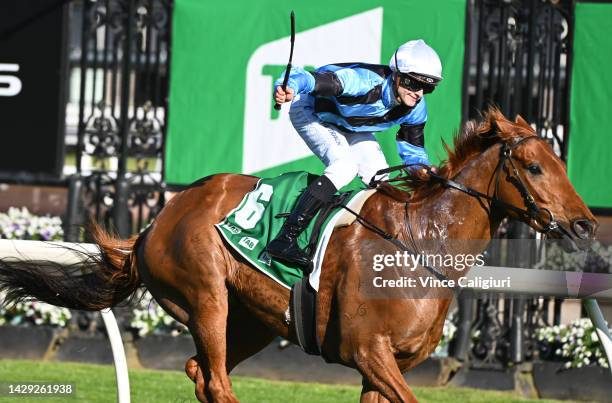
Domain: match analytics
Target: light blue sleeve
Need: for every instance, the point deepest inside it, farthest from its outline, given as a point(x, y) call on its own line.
point(412, 154)
point(300, 81)
point(357, 81)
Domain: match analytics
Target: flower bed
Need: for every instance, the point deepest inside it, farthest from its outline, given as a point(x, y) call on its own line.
point(576, 344)
point(21, 224)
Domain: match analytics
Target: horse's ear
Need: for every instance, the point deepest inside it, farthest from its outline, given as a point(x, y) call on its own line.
point(488, 126)
point(520, 121)
point(503, 125)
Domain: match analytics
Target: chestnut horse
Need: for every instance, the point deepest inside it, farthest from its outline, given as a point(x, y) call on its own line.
point(233, 311)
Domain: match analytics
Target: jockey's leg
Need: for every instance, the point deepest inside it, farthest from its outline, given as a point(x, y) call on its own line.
point(332, 147)
point(284, 247)
point(366, 151)
point(328, 143)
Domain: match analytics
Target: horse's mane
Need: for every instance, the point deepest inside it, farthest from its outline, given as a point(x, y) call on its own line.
point(475, 137)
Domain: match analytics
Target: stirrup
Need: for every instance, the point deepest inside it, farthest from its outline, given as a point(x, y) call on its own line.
point(287, 251)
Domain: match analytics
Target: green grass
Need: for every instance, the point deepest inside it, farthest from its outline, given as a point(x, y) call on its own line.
point(96, 383)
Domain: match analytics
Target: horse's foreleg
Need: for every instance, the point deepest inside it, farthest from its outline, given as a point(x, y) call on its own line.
point(371, 395)
point(376, 363)
point(194, 372)
point(245, 337)
point(208, 328)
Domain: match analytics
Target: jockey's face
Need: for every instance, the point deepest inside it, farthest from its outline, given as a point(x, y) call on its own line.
point(407, 97)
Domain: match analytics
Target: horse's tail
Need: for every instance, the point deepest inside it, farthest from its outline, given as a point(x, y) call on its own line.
point(101, 280)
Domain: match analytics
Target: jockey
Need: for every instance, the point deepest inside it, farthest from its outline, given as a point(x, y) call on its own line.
point(337, 108)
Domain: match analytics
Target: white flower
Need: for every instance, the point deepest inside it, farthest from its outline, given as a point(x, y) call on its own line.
point(576, 343)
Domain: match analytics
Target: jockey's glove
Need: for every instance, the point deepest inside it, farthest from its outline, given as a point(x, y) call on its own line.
point(411, 154)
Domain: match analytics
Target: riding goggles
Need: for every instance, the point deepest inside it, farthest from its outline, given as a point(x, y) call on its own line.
point(414, 84)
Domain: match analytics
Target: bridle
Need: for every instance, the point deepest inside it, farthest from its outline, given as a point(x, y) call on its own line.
point(531, 211)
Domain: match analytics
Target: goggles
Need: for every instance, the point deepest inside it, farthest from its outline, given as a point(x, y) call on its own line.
point(412, 83)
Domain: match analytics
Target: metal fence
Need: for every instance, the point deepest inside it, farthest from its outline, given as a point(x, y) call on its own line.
point(117, 116)
point(120, 60)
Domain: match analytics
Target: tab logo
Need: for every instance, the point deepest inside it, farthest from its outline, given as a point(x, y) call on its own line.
point(232, 228)
point(269, 139)
point(248, 242)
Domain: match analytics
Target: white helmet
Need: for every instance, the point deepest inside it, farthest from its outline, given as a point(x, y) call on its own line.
point(418, 58)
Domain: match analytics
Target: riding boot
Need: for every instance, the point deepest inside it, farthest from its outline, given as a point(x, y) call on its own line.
point(284, 247)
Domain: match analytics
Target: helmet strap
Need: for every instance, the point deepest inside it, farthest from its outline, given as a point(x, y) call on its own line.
point(396, 80)
point(396, 88)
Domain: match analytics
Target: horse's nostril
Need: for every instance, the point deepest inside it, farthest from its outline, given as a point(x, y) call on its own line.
point(583, 228)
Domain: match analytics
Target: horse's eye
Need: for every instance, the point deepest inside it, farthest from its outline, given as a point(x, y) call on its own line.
point(534, 169)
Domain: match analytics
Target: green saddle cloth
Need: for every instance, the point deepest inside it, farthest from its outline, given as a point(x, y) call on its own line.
point(253, 224)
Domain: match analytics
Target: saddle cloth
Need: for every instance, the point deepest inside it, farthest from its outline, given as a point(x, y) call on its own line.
point(253, 223)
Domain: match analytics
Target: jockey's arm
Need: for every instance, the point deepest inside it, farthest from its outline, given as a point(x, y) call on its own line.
point(410, 145)
point(328, 83)
point(411, 137)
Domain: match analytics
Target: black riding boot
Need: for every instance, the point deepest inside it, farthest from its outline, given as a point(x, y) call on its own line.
point(284, 247)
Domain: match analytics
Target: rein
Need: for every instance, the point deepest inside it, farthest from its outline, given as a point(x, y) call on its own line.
point(393, 239)
point(531, 212)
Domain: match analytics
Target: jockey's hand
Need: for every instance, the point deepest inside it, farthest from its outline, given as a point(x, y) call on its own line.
point(281, 96)
point(423, 174)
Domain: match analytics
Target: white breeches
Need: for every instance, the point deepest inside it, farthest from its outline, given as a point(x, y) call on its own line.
point(344, 154)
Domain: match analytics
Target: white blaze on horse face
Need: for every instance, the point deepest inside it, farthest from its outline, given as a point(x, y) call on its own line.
point(270, 142)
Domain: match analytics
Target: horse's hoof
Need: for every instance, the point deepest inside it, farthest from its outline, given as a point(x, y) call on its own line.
point(191, 369)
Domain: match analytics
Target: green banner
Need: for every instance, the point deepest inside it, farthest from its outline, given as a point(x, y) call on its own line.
point(590, 144)
point(226, 55)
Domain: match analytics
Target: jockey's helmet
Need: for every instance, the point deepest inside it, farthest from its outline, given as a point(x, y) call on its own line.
point(419, 60)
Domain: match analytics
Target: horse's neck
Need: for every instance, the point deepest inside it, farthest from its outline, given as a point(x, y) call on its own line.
point(454, 215)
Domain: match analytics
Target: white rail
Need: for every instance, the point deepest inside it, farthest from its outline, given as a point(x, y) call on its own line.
point(57, 252)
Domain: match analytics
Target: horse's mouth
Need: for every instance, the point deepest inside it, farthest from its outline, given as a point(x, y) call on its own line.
point(575, 236)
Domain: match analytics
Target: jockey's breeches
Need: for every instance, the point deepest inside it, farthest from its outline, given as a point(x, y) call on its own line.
point(345, 154)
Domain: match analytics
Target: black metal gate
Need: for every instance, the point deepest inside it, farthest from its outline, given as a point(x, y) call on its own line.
point(519, 60)
point(123, 66)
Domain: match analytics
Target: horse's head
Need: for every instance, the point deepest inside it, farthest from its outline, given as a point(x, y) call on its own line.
point(530, 177)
